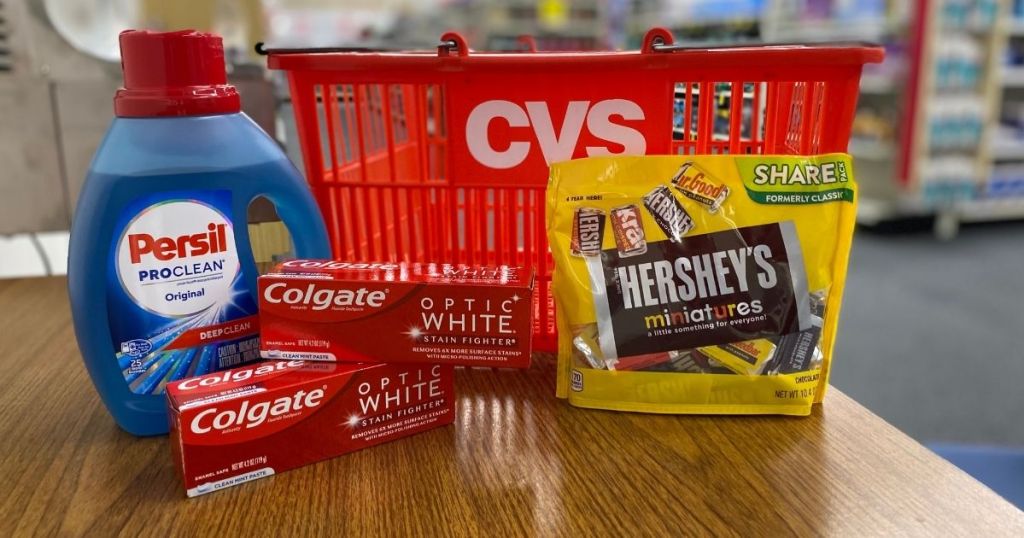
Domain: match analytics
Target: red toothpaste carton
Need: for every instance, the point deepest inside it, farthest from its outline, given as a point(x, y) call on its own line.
point(384, 312)
point(238, 425)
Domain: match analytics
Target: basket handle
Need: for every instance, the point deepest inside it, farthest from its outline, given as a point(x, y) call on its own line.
point(655, 38)
point(452, 41)
point(660, 40)
point(528, 42)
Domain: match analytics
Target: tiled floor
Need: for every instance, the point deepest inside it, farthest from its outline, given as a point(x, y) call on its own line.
point(932, 333)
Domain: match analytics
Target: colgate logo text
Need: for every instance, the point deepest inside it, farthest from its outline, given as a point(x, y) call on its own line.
point(330, 265)
point(251, 415)
point(324, 298)
point(555, 146)
point(234, 376)
point(168, 248)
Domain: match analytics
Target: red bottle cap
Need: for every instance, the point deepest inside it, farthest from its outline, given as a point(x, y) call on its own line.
point(173, 74)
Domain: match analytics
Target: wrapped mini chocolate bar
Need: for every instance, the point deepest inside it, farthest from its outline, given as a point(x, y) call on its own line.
point(670, 215)
point(586, 347)
point(587, 231)
point(709, 365)
point(747, 358)
point(640, 362)
point(629, 231)
point(797, 352)
point(682, 361)
point(694, 183)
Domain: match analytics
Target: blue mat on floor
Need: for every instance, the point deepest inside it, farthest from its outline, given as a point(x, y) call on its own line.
point(999, 468)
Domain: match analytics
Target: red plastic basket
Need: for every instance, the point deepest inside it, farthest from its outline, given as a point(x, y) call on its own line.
point(443, 156)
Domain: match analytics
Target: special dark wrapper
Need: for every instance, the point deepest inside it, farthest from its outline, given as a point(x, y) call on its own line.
point(670, 215)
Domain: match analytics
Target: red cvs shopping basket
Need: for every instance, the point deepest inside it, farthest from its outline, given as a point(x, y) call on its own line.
point(424, 156)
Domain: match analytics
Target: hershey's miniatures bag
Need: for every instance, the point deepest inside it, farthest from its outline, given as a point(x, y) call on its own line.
point(699, 284)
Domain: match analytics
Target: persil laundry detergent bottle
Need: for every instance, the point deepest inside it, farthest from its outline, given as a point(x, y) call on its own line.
point(160, 272)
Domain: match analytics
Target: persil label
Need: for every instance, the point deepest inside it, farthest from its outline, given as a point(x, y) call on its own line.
point(178, 258)
point(178, 304)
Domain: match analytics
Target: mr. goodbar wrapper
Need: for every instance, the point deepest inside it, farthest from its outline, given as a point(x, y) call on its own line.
point(731, 303)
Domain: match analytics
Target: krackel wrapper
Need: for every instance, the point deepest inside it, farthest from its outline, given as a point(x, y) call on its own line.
point(699, 284)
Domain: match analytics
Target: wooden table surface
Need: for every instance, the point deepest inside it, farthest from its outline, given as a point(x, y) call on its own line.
point(516, 462)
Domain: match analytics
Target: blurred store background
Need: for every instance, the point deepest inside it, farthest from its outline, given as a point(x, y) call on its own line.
point(933, 310)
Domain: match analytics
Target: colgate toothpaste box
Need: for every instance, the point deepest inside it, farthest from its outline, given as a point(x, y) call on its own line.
point(238, 425)
point(384, 312)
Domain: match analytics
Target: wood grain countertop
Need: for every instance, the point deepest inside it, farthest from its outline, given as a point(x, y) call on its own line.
point(516, 462)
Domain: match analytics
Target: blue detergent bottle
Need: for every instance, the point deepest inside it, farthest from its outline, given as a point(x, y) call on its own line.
point(161, 276)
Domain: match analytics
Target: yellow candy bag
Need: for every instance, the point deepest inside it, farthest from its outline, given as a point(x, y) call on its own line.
point(699, 284)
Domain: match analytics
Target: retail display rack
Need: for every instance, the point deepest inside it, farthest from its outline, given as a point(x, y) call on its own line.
point(940, 125)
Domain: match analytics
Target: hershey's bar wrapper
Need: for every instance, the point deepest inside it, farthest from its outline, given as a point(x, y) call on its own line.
point(587, 232)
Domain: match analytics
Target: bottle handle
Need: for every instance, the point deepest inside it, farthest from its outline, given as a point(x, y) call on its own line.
point(300, 214)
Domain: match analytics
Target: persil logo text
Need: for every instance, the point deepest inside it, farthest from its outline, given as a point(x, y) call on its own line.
point(322, 298)
point(213, 240)
point(177, 258)
point(555, 144)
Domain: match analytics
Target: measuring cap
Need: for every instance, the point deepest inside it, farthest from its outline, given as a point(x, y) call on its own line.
point(177, 73)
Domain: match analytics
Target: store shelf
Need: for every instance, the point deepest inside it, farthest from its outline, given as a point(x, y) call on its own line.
point(874, 30)
point(969, 28)
point(681, 93)
point(872, 149)
point(873, 211)
point(1016, 28)
point(965, 150)
point(1013, 76)
point(991, 210)
point(715, 137)
point(1006, 146)
point(922, 181)
point(877, 83)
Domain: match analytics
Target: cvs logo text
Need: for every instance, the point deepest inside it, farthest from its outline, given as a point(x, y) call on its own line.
point(604, 120)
